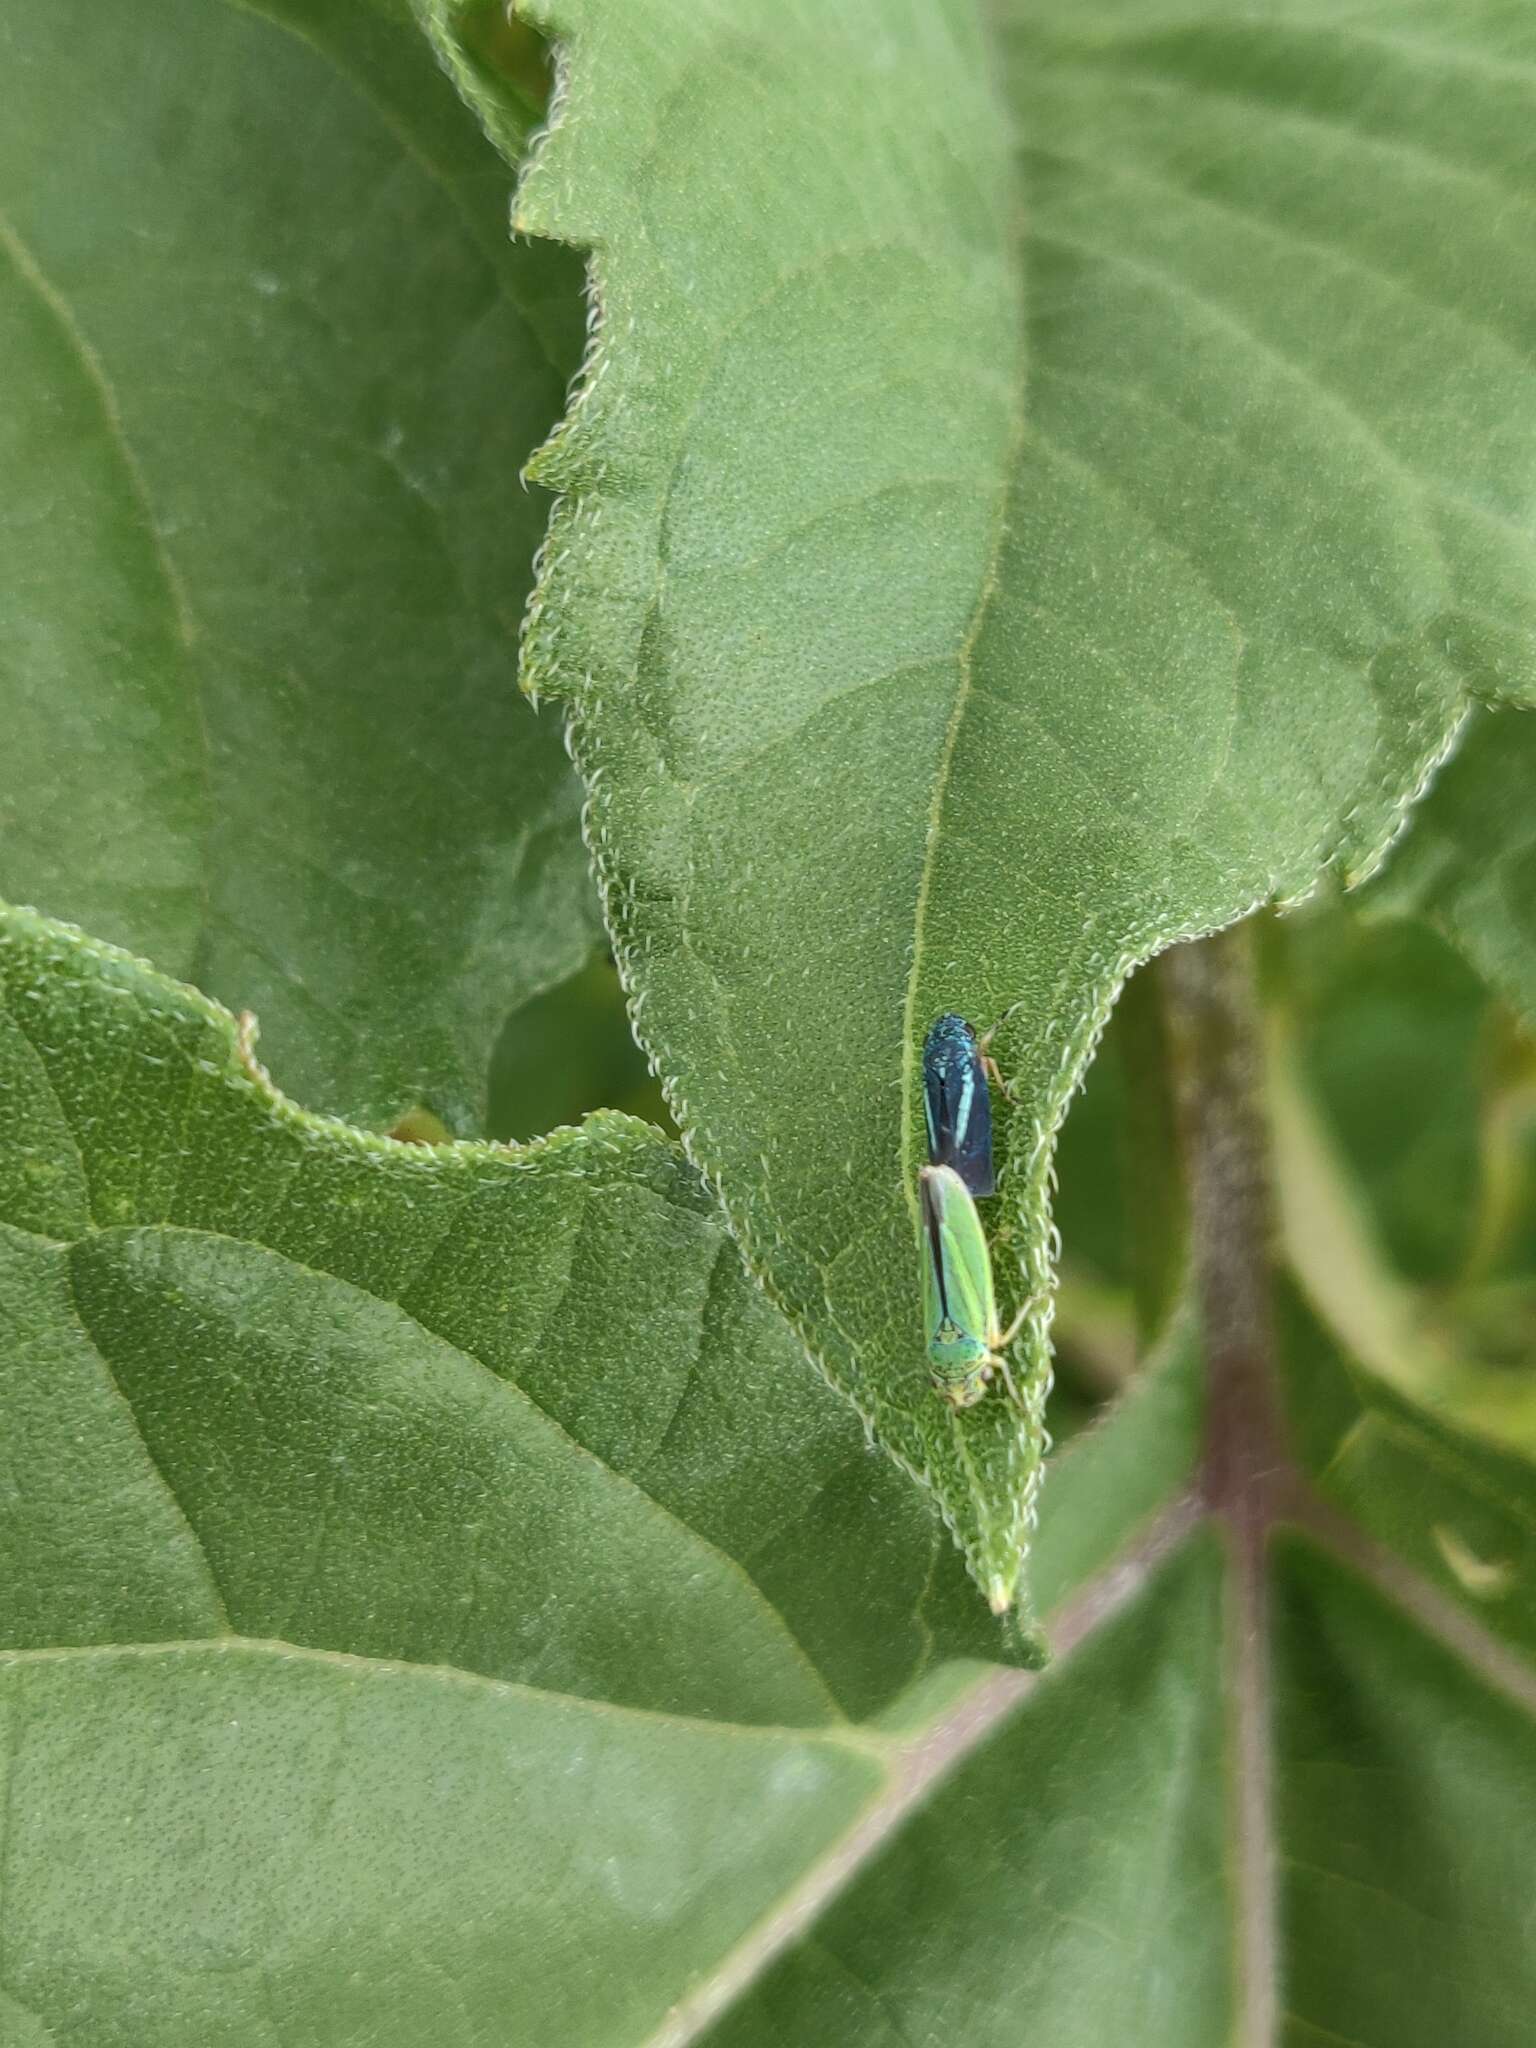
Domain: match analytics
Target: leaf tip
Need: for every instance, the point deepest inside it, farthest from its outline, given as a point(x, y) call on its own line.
point(1028, 1646)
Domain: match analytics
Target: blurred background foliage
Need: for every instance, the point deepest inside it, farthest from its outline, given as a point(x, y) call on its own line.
point(569, 1052)
point(1403, 1093)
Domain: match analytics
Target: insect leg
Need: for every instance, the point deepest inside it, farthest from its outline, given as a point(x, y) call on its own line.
point(1005, 1339)
point(1018, 1323)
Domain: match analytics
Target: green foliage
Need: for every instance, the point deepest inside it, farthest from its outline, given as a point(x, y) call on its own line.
point(1469, 860)
point(1043, 483)
point(423, 1506)
point(566, 1052)
point(1032, 470)
point(1404, 1105)
point(1392, 1030)
point(926, 1946)
point(343, 1382)
point(273, 366)
point(354, 1469)
point(1074, 1870)
point(1071, 1878)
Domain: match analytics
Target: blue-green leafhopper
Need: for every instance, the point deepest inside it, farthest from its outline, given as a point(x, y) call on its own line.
point(965, 1345)
point(956, 1103)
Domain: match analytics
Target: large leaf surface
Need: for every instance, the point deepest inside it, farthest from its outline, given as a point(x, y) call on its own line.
point(272, 367)
point(467, 1405)
point(1062, 1886)
point(1115, 1864)
point(1029, 500)
point(422, 1567)
point(427, 1567)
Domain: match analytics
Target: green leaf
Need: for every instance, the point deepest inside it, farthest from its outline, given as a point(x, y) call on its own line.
point(1060, 1887)
point(1114, 1480)
point(422, 1559)
point(252, 1843)
point(1468, 861)
point(1456, 1507)
point(1394, 1142)
point(565, 1053)
point(1368, 1792)
point(1027, 502)
point(419, 1560)
point(463, 1404)
point(1120, 1205)
point(1390, 1031)
point(274, 365)
point(1183, 1840)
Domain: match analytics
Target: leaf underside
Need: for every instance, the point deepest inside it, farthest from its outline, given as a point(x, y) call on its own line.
point(1073, 1880)
point(1030, 499)
point(274, 366)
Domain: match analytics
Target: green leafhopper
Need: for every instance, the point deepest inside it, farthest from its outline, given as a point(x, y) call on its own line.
point(965, 1345)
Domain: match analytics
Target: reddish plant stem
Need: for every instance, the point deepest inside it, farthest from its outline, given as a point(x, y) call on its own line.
point(1246, 1474)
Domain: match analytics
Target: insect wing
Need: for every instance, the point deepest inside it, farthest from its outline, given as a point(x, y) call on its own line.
point(958, 1260)
point(957, 1104)
point(935, 1313)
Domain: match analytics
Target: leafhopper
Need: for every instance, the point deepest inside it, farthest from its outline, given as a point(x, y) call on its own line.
point(965, 1345)
point(957, 1103)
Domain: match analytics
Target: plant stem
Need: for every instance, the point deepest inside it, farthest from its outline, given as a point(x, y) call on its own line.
point(1215, 1048)
point(1246, 1475)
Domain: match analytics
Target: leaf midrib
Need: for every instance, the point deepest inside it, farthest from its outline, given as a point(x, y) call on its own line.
point(918, 1764)
point(944, 765)
point(848, 1738)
